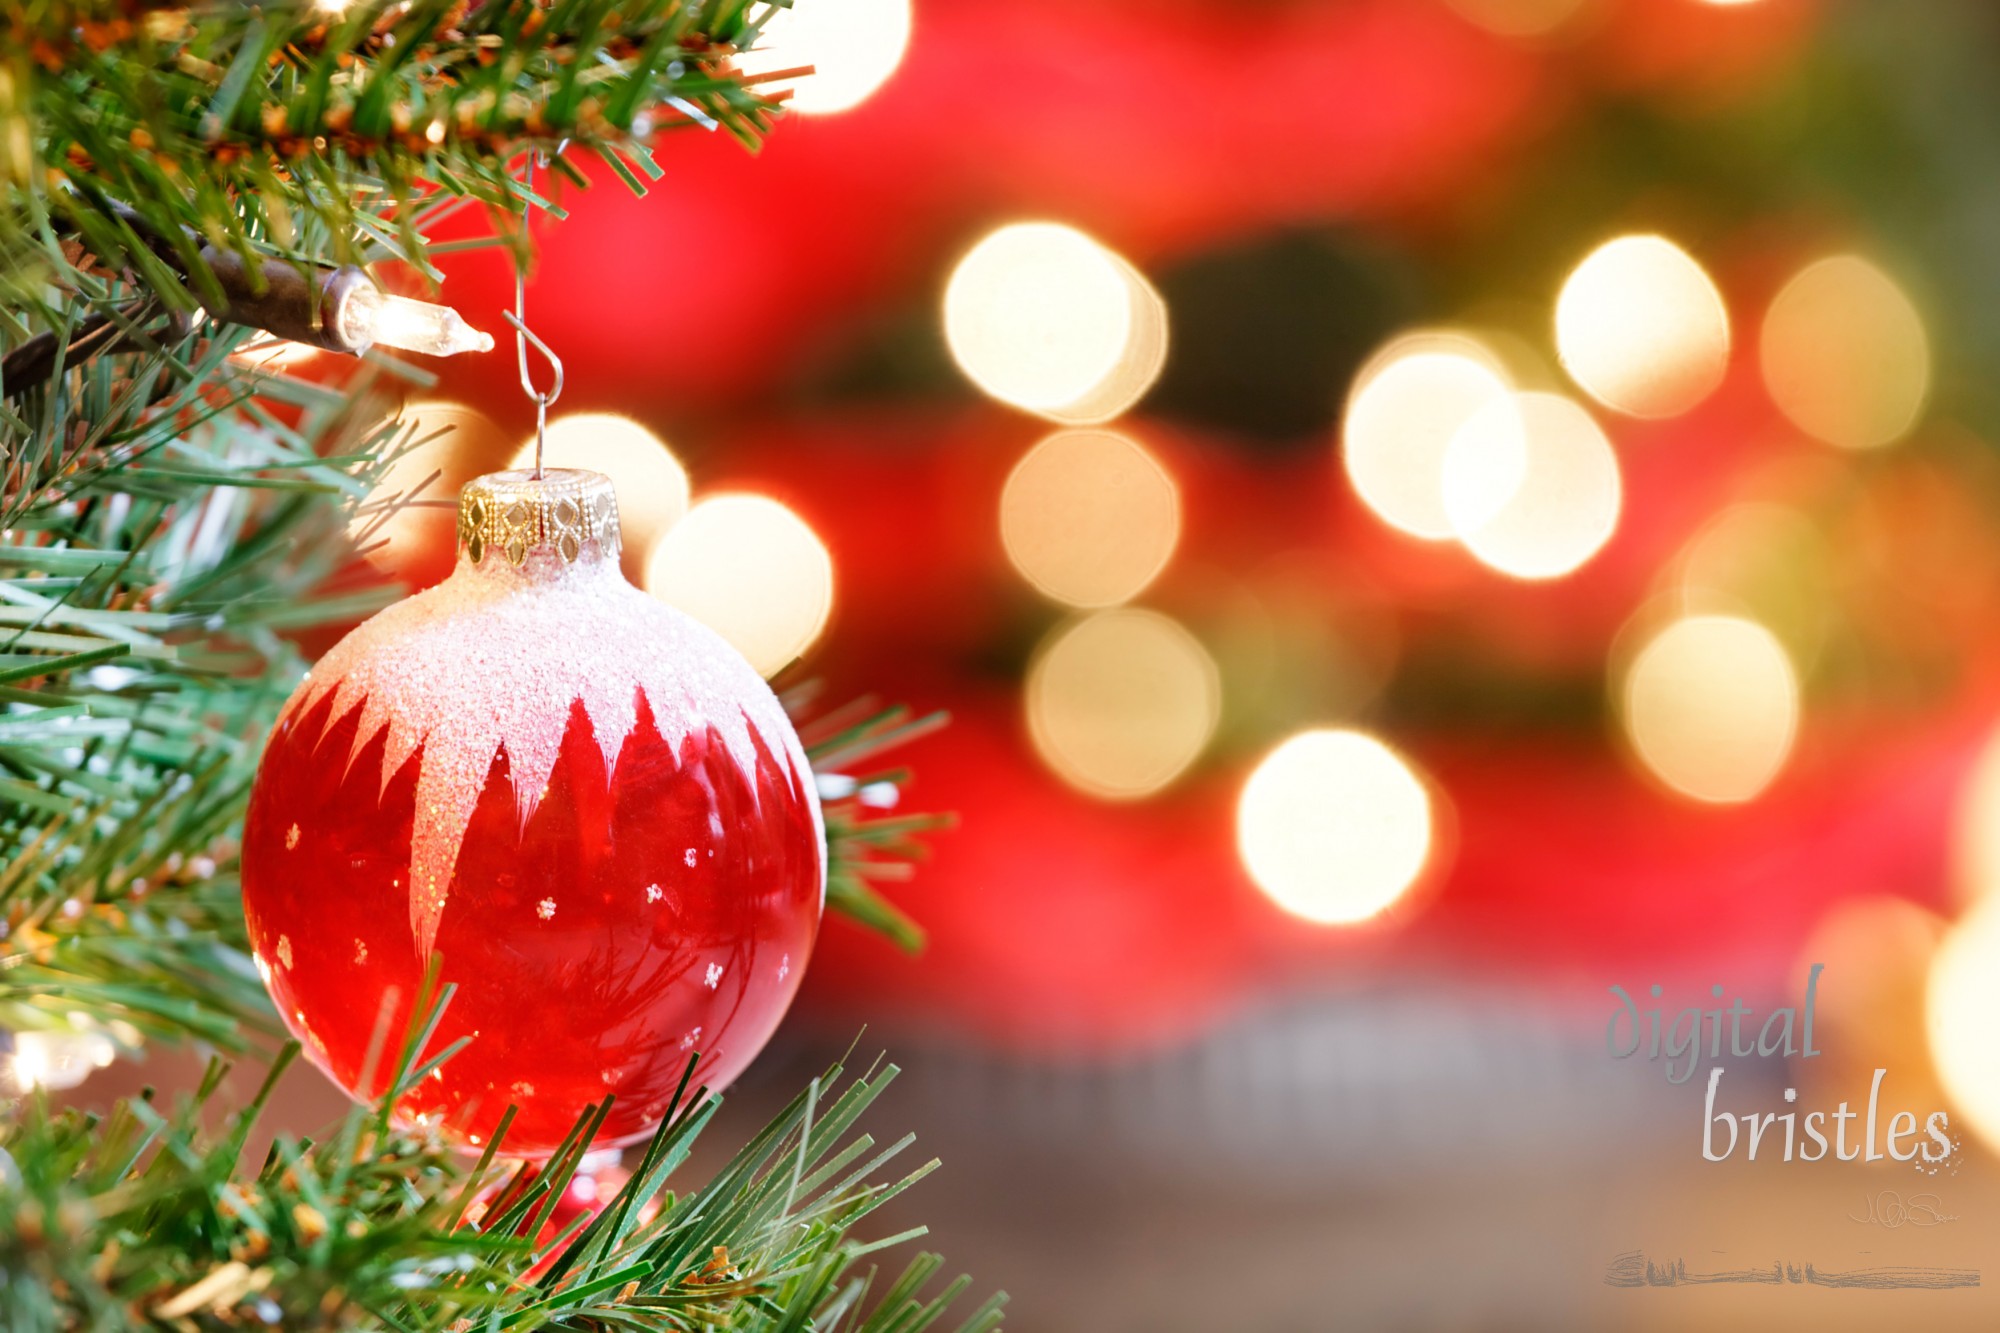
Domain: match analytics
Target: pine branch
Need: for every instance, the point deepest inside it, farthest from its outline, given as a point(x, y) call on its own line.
point(284, 131)
point(153, 1218)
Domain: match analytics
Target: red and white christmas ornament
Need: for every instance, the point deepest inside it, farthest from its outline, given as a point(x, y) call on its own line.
point(588, 803)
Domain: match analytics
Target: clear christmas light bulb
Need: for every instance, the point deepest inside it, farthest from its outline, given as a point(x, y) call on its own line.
point(371, 318)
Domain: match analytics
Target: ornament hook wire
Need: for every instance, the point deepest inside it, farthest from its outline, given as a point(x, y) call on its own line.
point(523, 335)
point(518, 317)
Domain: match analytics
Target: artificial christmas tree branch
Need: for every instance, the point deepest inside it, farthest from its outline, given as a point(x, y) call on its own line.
point(36, 359)
point(155, 1217)
point(322, 137)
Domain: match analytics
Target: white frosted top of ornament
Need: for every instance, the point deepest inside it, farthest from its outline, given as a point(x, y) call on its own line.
point(497, 655)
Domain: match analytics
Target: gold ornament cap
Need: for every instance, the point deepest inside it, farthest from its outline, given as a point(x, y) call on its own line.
point(510, 514)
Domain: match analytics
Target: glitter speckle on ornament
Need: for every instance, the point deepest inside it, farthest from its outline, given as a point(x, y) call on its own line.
point(514, 770)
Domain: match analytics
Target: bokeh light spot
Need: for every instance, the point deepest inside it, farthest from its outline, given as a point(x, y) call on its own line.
point(55, 1060)
point(1876, 952)
point(1090, 517)
point(1976, 828)
point(1121, 702)
point(1641, 327)
point(1334, 826)
point(1405, 408)
point(1960, 1002)
point(1041, 316)
point(752, 571)
point(1712, 707)
point(1531, 486)
point(1844, 354)
point(853, 47)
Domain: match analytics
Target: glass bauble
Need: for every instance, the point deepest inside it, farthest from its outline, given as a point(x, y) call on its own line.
point(586, 804)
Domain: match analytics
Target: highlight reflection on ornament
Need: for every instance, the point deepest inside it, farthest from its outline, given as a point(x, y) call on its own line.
point(587, 803)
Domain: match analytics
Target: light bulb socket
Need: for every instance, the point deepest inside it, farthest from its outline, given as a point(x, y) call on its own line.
point(305, 305)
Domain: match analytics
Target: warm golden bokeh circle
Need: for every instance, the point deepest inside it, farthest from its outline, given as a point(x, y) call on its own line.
point(1531, 486)
point(1121, 702)
point(410, 512)
point(1334, 826)
point(1642, 327)
point(1402, 414)
point(1844, 354)
point(751, 570)
point(1045, 318)
point(1711, 707)
point(853, 48)
point(1090, 517)
point(1960, 1002)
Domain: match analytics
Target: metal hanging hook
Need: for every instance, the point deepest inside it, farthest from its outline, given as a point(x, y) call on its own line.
point(522, 336)
point(518, 317)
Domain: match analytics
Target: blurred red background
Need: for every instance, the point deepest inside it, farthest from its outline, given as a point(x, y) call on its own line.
point(1396, 164)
